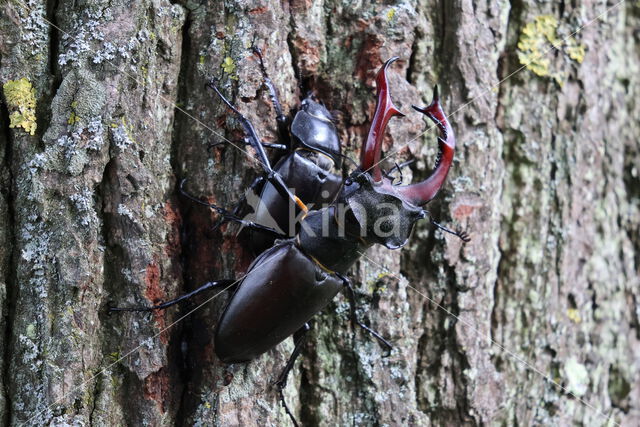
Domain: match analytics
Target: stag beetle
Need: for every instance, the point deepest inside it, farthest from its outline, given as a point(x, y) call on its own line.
point(297, 276)
point(311, 154)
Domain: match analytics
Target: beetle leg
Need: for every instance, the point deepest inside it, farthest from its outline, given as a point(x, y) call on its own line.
point(351, 295)
point(275, 146)
point(241, 203)
point(273, 177)
point(299, 338)
point(229, 216)
point(226, 284)
point(281, 119)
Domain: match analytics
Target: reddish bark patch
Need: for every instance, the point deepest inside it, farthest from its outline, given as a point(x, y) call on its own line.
point(301, 5)
point(152, 279)
point(173, 218)
point(202, 251)
point(465, 207)
point(156, 388)
point(241, 256)
point(308, 54)
point(258, 10)
point(155, 294)
point(463, 211)
point(363, 24)
point(369, 59)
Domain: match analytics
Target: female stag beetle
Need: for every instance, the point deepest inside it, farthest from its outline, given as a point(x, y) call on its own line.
point(300, 273)
point(311, 155)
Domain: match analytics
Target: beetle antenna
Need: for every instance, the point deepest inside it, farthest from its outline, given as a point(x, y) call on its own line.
point(273, 94)
point(462, 235)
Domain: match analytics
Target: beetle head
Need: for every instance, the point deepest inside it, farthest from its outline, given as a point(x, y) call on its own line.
point(386, 213)
point(381, 213)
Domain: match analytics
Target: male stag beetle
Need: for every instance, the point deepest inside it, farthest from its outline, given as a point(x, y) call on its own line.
point(301, 272)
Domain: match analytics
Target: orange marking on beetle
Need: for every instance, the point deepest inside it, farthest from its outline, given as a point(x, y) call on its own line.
point(301, 205)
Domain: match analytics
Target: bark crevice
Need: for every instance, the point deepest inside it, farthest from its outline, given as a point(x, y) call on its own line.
point(54, 45)
point(185, 374)
point(8, 309)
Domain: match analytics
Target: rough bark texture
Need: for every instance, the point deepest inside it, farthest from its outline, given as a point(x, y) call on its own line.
point(104, 111)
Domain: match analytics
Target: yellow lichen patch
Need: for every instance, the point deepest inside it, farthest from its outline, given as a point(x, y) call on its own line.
point(574, 50)
point(21, 101)
point(73, 118)
point(535, 44)
point(391, 13)
point(574, 315)
point(228, 66)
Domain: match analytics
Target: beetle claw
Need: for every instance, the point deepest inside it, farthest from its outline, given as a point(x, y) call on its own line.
point(464, 236)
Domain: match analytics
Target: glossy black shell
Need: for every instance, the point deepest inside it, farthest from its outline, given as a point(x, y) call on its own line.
point(282, 290)
point(309, 169)
point(313, 128)
point(313, 184)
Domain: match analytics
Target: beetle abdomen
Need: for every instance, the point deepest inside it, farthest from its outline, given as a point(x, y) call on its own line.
point(282, 290)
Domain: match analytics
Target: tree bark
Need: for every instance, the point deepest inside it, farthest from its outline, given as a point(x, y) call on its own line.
point(105, 111)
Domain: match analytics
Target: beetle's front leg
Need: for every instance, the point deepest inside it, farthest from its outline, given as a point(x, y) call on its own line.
point(299, 338)
point(351, 295)
point(399, 168)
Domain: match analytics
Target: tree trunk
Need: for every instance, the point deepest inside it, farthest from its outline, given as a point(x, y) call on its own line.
point(105, 111)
